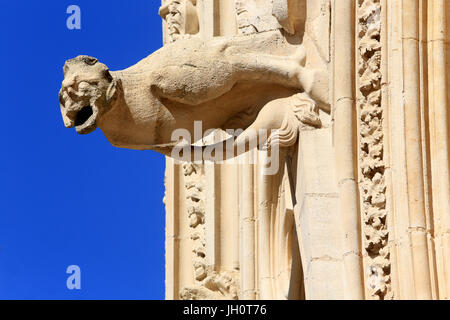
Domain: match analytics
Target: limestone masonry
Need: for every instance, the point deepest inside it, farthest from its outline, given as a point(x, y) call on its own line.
point(307, 145)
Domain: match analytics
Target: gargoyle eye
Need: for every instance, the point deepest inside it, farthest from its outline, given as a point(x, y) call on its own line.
point(86, 84)
point(62, 97)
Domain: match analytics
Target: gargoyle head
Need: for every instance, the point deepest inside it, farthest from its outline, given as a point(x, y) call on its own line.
point(88, 92)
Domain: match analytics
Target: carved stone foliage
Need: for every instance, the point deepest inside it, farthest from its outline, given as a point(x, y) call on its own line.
point(181, 17)
point(255, 16)
point(372, 164)
point(243, 18)
point(209, 284)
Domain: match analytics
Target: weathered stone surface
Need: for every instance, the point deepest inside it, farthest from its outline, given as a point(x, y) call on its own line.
point(142, 106)
point(356, 91)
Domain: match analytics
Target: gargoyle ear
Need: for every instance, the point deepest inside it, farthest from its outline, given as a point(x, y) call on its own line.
point(113, 90)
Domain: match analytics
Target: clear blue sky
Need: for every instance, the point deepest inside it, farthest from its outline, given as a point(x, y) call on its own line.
point(67, 199)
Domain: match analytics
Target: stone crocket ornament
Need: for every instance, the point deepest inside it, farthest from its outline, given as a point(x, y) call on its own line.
point(213, 81)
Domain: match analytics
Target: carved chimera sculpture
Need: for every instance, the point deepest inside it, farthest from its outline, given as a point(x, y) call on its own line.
point(190, 80)
point(255, 81)
point(356, 90)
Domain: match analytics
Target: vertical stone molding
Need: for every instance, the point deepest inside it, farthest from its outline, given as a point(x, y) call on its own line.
point(345, 149)
point(371, 149)
point(438, 117)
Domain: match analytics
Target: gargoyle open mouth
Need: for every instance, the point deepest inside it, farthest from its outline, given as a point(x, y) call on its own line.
point(86, 120)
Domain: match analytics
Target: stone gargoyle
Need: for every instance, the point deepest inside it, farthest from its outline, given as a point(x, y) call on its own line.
point(243, 82)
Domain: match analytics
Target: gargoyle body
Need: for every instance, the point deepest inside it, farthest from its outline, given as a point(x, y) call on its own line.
point(213, 81)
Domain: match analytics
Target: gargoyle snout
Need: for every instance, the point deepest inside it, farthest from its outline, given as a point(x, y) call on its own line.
point(76, 112)
point(68, 122)
point(68, 118)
